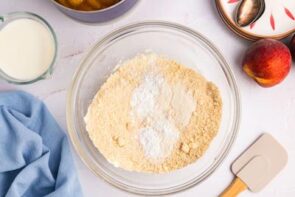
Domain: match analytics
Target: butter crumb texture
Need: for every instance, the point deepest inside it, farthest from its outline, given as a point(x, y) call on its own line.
point(154, 115)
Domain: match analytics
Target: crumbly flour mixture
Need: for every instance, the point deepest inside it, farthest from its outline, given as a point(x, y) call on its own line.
point(154, 115)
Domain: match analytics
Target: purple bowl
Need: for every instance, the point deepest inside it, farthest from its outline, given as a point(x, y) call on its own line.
point(98, 16)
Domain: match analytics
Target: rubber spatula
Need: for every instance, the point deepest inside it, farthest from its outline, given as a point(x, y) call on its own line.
point(256, 167)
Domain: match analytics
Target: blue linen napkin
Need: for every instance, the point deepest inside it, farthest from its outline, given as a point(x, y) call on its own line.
point(35, 157)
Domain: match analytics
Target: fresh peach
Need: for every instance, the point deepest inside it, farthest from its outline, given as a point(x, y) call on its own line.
point(268, 62)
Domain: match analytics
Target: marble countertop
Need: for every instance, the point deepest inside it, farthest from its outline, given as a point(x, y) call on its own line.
point(269, 110)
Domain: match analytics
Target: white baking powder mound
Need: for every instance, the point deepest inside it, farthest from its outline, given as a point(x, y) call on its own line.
point(160, 107)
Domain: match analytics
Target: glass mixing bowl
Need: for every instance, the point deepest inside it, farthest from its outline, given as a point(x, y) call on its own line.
point(176, 42)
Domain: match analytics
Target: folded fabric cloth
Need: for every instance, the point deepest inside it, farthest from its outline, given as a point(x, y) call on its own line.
point(35, 157)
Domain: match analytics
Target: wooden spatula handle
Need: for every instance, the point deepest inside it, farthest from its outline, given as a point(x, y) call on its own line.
point(236, 187)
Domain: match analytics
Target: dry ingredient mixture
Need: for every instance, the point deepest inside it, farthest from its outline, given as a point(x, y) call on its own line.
point(154, 115)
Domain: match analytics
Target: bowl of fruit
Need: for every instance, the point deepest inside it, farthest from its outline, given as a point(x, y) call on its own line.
point(94, 11)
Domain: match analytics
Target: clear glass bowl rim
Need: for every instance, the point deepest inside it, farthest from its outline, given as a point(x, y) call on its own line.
point(122, 32)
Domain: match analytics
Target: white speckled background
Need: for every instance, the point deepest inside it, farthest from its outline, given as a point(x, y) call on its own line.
point(263, 110)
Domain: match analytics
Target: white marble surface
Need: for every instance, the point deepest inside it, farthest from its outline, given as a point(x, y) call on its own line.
point(263, 110)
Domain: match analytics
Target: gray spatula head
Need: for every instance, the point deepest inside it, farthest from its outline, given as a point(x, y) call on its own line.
point(260, 163)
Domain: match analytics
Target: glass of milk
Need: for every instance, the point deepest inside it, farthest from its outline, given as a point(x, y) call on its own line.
point(28, 48)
